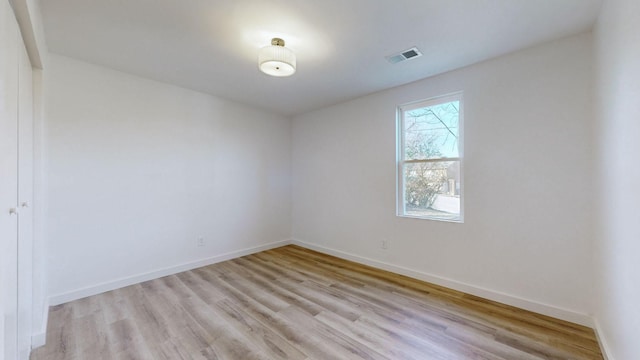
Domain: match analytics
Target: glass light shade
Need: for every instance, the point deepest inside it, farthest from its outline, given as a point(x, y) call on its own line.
point(277, 60)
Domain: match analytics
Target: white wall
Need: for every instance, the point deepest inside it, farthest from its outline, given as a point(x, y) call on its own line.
point(139, 170)
point(528, 186)
point(617, 249)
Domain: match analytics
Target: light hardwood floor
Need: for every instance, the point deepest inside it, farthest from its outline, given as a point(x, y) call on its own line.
point(293, 303)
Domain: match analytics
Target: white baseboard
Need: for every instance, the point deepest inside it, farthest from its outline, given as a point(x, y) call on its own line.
point(39, 338)
point(602, 340)
point(540, 308)
point(135, 279)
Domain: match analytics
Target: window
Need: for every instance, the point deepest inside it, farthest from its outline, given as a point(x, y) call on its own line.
point(430, 159)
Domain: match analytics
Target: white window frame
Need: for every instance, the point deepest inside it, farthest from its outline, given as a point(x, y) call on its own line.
point(400, 161)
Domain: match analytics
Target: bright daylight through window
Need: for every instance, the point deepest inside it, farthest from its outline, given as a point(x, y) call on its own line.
point(430, 159)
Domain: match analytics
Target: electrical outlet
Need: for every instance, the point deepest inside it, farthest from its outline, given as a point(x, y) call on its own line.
point(384, 244)
point(200, 241)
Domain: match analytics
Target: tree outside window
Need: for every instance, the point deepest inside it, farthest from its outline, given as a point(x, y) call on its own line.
point(429, 159)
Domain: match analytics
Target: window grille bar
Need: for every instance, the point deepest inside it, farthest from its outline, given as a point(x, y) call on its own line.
point(429, 160)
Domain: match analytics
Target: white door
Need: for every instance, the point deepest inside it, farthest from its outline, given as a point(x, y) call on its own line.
point(25, 202)
point(8, 181)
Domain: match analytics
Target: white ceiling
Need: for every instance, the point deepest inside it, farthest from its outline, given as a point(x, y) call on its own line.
point(212, 45)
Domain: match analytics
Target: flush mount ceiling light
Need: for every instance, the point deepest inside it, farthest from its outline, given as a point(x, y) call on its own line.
point(277, 60)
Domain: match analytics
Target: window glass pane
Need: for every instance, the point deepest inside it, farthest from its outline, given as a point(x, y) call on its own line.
point(432, 189)
point(431, 132)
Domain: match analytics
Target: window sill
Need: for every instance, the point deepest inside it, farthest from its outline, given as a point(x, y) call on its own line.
point(452, 220)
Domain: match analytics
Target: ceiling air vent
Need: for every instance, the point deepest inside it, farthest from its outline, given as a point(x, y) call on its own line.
point(404, 55)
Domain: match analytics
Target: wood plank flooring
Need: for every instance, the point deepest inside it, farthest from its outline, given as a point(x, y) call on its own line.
point(293, 303)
